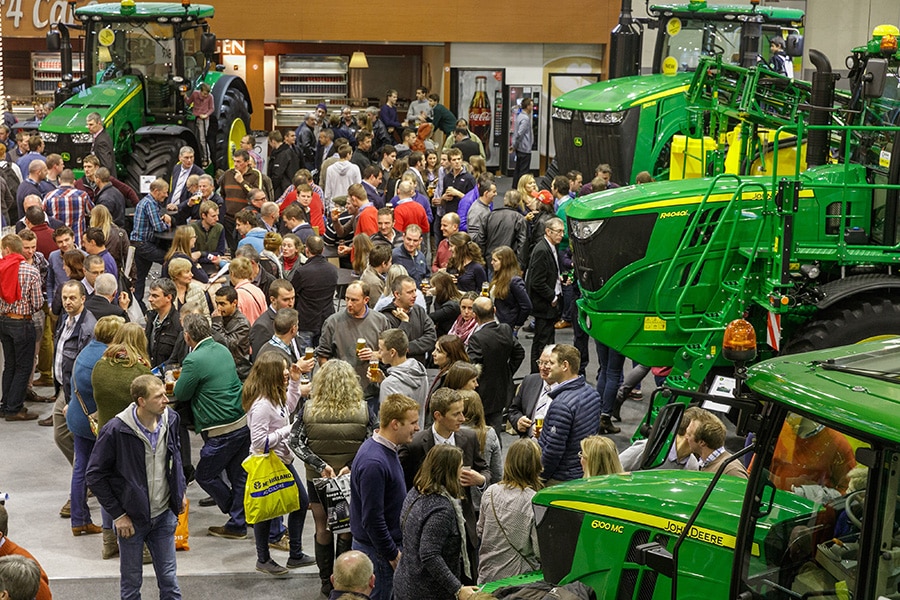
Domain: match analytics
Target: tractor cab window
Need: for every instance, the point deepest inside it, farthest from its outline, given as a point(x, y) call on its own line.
point(808, 522)
point(686, 40)
point(143, 49)
point(194, 59)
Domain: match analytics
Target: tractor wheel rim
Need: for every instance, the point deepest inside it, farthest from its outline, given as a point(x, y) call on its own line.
point(237, 131)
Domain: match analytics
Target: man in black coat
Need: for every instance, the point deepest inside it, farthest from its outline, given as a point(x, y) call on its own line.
point(102, 146)
point(493, 346)
point(447, 408)
point(404, 314)
point(283, 163)
point(281, 295)
point(543, 284)
point(109, 196)
point(314, 286)
point(531, 398)
point(103, 302)
point(466, 145)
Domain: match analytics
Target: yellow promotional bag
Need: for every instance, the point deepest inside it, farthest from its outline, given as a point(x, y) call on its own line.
point(271, 489)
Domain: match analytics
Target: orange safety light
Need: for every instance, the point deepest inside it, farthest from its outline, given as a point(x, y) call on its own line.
point(888, 44)
point(739, 342)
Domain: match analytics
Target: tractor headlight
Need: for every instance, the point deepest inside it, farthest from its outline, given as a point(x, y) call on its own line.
point(605, 118)
point(82, 138)
point(49, 137)
point(562, 113)
point(584, 230)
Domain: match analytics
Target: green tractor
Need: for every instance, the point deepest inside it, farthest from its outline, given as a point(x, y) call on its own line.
point(630, 121)
point(809, 258)
point(140, 60)
point(817, 518)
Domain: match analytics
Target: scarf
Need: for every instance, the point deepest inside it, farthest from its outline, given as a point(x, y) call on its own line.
point(463, 329)
point(461, 524)
point(10, 290)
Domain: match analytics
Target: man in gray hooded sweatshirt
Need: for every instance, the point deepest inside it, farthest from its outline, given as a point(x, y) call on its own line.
point(405, 376)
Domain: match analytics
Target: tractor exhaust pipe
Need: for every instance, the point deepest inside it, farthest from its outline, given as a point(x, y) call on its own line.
point(625, 45)
point(822, 99)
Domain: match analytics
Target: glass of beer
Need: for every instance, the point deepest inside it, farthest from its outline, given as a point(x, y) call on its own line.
point(485, 287)
point(360, 344)
point(538, 424)
point(426, 284)
point(310, 353)
point(374, 373)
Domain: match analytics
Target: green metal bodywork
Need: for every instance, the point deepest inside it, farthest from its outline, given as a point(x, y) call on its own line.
point(729, 11)
point(146, 11)
point(624, 93)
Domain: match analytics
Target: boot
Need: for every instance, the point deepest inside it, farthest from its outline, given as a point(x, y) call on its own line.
point(110, 544)
point(325, 562)
point(343, 545)
point(606, 425)
point(617, 406)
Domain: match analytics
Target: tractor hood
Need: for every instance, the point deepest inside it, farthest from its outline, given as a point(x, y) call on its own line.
point(624, 93)
point(727, 12)
point(104, 98)
point(665, 500)
point(858, 385)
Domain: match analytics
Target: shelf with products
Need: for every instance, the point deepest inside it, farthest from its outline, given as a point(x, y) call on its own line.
point(46, 71)
point(304, 81)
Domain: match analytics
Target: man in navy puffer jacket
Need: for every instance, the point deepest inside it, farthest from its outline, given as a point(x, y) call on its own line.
point(574, 414)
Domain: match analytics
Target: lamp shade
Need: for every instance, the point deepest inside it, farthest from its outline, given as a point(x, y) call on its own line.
point(358, 61)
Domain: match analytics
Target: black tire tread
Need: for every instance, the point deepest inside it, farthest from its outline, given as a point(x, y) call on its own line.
point(847, 323)
point(152, 155)
point(234, 106)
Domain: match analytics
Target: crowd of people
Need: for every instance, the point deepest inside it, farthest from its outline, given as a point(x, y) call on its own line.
point(305, 324)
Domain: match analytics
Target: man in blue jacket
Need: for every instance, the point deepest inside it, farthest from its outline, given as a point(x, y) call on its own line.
point(574, 414)
point(140, 441)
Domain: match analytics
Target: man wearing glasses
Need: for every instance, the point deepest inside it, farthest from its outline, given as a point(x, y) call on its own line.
point(543, 285)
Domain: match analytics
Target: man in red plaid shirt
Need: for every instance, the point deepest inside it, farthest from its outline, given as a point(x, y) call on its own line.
point(69, 204)
point(20, 298)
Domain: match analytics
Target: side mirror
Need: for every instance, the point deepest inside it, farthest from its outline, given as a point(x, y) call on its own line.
point(54, 41)
point(875, 76)
point(208, 44)
point(793, 45)
point(656, 451)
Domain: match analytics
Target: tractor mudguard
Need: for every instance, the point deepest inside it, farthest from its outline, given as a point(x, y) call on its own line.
point(835, 291)
point(226, 82)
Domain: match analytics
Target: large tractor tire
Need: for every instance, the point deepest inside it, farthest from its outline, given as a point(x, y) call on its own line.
point(152, 156)
point(856, 320)
point(232, 123)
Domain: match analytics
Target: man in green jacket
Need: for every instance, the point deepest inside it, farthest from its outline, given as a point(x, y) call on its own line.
point(210, 385)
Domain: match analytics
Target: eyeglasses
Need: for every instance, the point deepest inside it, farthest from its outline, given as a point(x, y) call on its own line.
point(543, 363)
point(556, 230)
point(580, 454)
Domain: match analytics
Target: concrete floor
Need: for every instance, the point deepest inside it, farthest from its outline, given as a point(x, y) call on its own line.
point(36, 476)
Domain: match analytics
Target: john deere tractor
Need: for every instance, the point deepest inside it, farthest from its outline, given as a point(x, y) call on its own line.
point(140, 60)
point(630, 121)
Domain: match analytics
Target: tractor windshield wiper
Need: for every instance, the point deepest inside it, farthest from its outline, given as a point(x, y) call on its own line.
point(888, 376)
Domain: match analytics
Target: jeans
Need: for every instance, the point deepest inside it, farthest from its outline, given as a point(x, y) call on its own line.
point(384, 572)
point(145, 254)
point(523, 166)
point(611, 366)
point(225, 453)
point(17, 337)
point(159, 535)
point(308, 339)
point(295, 525)
point(81, 514)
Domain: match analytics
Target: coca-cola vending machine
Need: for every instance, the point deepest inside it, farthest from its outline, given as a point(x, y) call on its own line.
point(477, 96)
point(515, 94)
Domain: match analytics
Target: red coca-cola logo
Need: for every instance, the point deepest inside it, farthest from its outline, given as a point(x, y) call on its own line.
point(480, 118)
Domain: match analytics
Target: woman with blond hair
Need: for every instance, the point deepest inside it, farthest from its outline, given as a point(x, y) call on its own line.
point(509, 542)
point(466, 263)
point(512, 303)
point(271, 393)
point(123, 360)
point(182, 247)
point(434, 559)
point(336, 422)
point(116, 238)
point(488, 441)
point(268, 258)
point(187, 291)
point(527, 187)
point(599, 456)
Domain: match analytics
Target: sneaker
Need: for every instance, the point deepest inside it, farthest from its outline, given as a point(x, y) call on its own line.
point(227, 533)
point(304, 561)
point(271, 568)
point(283, 544)
point(66, 511)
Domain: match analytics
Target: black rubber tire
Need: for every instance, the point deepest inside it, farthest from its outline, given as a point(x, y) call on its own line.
point(152, 156)
point(551, 172)
point(234, 106)
point(849, 322)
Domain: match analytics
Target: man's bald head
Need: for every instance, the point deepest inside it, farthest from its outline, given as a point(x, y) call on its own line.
point(353, 572)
